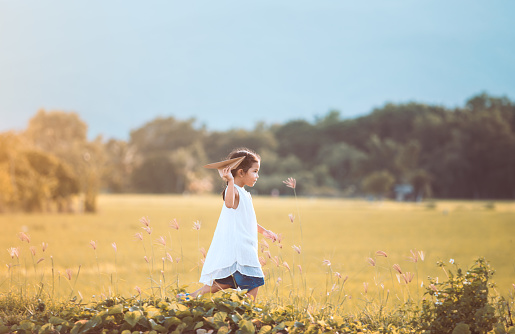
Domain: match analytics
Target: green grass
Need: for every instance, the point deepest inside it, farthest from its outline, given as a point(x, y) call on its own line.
point(346, 232)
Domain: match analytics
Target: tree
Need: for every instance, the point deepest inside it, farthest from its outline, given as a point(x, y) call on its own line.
point(378, 183)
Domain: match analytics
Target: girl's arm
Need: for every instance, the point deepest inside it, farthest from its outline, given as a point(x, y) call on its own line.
point(267, 233)
point(231, 196)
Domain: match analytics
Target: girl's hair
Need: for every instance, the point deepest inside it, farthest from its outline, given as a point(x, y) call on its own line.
point(251, 157)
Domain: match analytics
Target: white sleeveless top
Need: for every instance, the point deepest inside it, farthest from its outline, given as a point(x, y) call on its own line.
point(235, 243)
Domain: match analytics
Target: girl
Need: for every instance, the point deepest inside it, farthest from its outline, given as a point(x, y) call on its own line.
point(232, 260)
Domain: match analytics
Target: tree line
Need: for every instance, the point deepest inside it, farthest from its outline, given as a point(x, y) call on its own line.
point(416, 150)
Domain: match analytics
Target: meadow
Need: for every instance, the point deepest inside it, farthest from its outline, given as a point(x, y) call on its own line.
point(95, 256)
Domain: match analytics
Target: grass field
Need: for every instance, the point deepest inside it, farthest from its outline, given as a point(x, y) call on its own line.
point(345, 232)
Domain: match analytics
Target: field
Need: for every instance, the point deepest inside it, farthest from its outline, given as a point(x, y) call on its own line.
point(345, 233)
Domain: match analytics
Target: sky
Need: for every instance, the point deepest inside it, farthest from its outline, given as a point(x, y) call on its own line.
point(232, 63)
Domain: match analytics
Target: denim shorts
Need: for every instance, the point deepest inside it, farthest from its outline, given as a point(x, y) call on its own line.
point(244, 282)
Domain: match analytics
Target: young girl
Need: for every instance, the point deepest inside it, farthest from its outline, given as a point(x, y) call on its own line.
point(232, 260)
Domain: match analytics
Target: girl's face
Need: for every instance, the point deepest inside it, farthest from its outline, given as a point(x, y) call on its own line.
point(250, 178)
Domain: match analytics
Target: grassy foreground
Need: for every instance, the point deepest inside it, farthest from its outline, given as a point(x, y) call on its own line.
point(337, 270)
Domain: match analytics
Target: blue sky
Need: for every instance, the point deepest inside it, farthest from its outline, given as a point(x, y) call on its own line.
point(231, 64)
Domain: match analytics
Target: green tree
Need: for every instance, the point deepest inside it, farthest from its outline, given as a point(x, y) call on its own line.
point(378, 183)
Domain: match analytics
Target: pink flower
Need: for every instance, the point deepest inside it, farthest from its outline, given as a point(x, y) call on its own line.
point(114, 246)
point(337, 274)
point(398, 268)
point(203, 251)
point(148, 229)
point(138, 236)
point(407, 277)
point(413, 257)
point(69, 274)
point(433, 287)
point(292, 217)
point(262, 260)
point(169, 257)
point(42, 259)
point(145, 221)
point(290, 182)
point(285, 264)
point(279, 280)
point(421, 255)
point(44, 246)
point(24, 237)
point(138, 290)
point(296, 248)
point(365, 286)
point(93, 244)
point(14, 251)
point(33, 250)
point(161, 240)
point(371, 261)
point(146, 259)
point(327, 262)
point(197, 225)
point(300, 268)
point(381, 253)
point(174, 224)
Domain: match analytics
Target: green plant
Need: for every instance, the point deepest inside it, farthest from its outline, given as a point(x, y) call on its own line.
point(460, 304)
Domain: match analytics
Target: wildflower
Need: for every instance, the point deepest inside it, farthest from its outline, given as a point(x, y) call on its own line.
point(14, 251)
point(382, 286)
point(69, 274)
point(292, 217)
point(33, 250)
point(267, 253)
point(203, 251)
point(421, 255)
point(371, 261)
point(93, 244)
point(398, 268)
point(433, 287)
point(398, 277)
point(290, 182)
point(148, 229)
point(169, 257)
point(280, 245)
point(44, 246)
point(513, 286)
point(146, 259)
point(145, 221)
point(381, 253)
point(365, 286)
point(300, 268)
point(177, 259)
point(275, 260)
point(279, 280)
point(138, 289)
point(42, 259)
point(414, 256)
point(285, 264)
point(174, 224)
point(337, 274)
point(114, 246)
point(196, 225)
point(161, 240)
point(327, 262)
point(24, 237)
point(451, 261)
point(297, 248)
point(138, 236)
point(346, 278)
point(262, 260)
point(334, 287)
point(407, 277)
point(264, 245)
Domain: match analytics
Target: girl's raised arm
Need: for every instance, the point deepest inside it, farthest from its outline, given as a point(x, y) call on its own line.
point(231, 201)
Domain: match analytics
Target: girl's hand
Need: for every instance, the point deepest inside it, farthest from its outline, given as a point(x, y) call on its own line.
point(270, 235)
point(226, 174)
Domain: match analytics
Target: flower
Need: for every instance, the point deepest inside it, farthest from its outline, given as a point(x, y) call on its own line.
point(146, 259)
point(398, 268)
point(421, 255)
point(33, 250)
point(262, 260)
point(371, 261)
point(42, 259)
point(69, 274)
point(300, 268)
point(14, 251)
point(138, 289)
point(264, 245)
point(292, 217)
point(145, 221)
point(24, 237)
point(114, 246)
point(365, 286)
point(327, 262)
point(451, 261)
point(285, 264)
point(161, 240)
point(197, 225)
point(290, 182)
point(44, 246)
point(297, 248)
point(433, 287)
point(93, 244)
point(267, 253)
point(138, 236)
point(169, 257)
point(279, 280)
point(174, 224)
point(275, 260)
point(203, 251)
point(337, 274)
point(407, 277)
point(381, 253)
point(148, 229)
point(413, 257)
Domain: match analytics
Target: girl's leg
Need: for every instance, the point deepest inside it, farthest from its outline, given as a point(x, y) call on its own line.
point(253, 293)
point(210, 289)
